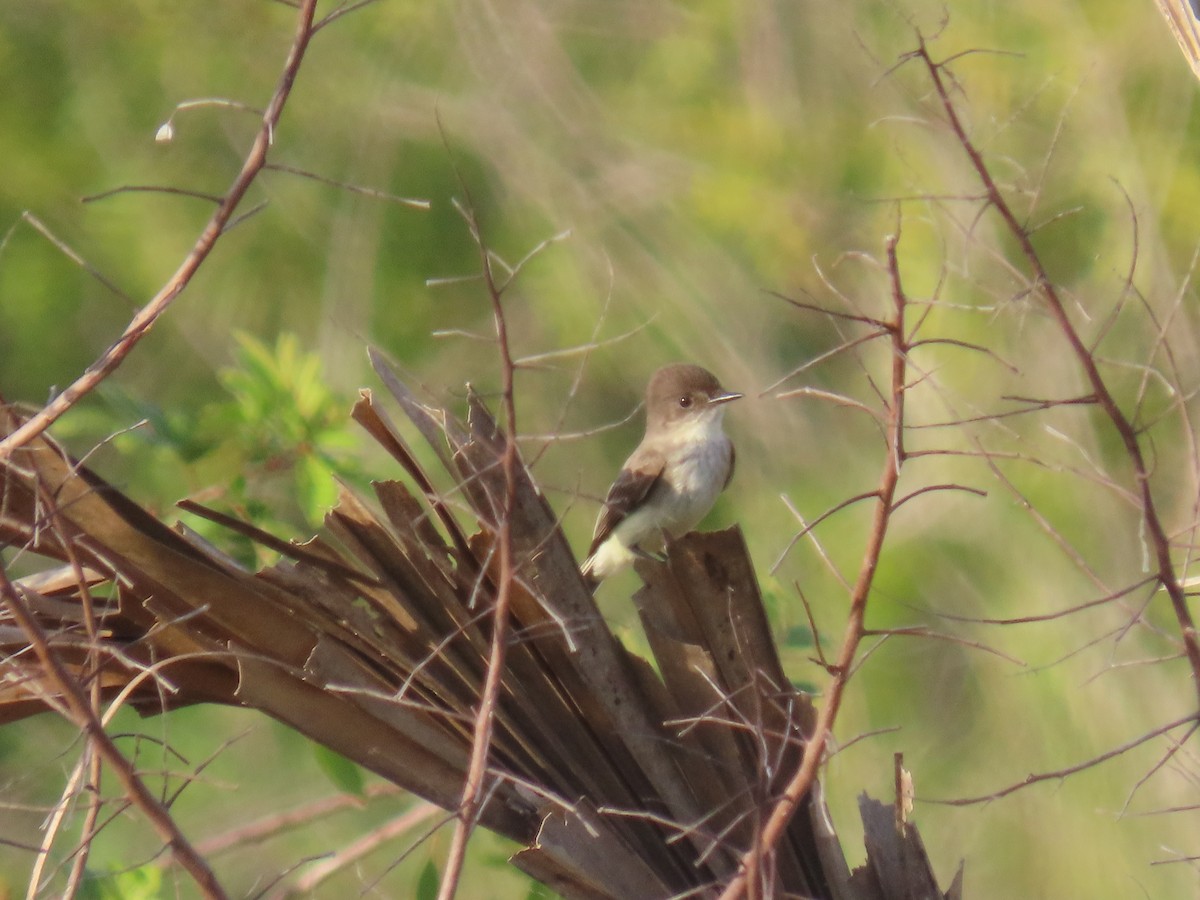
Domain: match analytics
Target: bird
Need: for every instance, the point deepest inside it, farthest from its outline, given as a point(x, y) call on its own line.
point(673, 478)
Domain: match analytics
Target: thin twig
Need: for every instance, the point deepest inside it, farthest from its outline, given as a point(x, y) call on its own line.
point(357, 850)
point(269, 826)
point(374, 193)
point(89, 673)
point(1174, 748)
point(472, 796)
point(1060, 774)
point(70, 253)
point(151, 189)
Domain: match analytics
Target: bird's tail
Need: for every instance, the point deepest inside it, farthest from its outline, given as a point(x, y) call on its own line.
point(589, 579)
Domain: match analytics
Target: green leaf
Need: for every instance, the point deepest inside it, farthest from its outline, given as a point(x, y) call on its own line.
point(144, 883)
point(798, 637)
point(345, 775)
point(427, 884)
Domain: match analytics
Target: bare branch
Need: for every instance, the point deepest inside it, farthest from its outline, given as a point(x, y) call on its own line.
point(472, 796)
point(802, 779)
point(1156, 532)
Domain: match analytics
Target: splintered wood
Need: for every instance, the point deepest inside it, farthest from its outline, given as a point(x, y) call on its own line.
point(622, 778)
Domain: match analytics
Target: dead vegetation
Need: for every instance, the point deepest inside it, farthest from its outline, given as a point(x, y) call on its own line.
point(622, 778)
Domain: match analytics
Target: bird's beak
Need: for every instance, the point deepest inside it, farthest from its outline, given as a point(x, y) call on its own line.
point(724, 397)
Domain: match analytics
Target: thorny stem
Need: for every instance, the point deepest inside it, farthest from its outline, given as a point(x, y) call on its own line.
point(773, 830)
point(469, 806)
point(80, 710)
point(141, 323)
point(1155, 531)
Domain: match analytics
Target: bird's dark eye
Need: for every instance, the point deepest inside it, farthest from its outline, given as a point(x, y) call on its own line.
point(685, 402)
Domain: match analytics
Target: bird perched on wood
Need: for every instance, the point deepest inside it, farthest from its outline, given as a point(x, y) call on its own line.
point(672, 479)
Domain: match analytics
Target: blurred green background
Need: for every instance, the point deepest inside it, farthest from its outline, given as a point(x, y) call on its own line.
point(692, 157)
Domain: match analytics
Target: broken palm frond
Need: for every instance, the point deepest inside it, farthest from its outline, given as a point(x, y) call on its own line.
point(620, 779)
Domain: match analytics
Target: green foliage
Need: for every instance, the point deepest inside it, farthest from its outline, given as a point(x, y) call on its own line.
point(290, 420)
point(427, 884)
point(345, 775)
point(142, 883)
point(270, 446)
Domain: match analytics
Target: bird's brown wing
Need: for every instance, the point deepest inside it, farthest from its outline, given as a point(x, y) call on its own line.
point(633, 485)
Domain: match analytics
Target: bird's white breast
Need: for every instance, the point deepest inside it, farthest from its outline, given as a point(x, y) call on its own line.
point(695, 477)
point(698, 461)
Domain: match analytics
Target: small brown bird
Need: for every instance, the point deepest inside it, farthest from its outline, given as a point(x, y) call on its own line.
point(672, 479)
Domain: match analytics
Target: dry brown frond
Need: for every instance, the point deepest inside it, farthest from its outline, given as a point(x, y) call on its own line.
point(620, 778)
